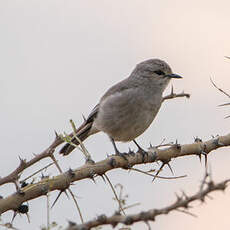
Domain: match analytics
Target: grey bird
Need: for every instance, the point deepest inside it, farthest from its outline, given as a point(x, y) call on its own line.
point(128, 108)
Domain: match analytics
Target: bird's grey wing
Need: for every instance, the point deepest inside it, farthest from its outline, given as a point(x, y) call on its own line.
point(93, 114)
point(119, 87)
point(126, 84)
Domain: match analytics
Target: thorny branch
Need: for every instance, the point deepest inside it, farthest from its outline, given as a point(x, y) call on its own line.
point(91, 170)
point(182, 204)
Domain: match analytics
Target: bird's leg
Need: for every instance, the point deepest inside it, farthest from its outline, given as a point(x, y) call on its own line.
point(141, 151)
point(117, 152)
point(115, 147)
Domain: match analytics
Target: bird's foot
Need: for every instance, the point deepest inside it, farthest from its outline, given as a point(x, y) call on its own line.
point(123, 155)
point(141, 151)
point(117, 152)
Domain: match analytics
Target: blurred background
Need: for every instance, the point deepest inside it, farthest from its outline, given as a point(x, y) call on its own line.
point(58, 57)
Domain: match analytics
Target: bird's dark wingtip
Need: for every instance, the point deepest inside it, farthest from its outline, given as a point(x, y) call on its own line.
point(66, 149)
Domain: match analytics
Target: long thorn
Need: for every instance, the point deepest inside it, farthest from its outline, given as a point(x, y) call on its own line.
point(71, 193)
point(158, 171)
point(170, 168)
point(59, 194)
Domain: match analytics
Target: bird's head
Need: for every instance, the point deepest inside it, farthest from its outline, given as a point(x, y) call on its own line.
point(159, 72)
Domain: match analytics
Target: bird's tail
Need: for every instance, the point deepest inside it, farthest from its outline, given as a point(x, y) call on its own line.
point(82, 134)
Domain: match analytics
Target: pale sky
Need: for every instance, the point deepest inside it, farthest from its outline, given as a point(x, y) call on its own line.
point(58, 58)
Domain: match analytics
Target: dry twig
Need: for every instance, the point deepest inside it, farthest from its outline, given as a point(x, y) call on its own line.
point(174, 95)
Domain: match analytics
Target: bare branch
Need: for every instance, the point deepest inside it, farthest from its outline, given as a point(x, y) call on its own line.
point(182, 205)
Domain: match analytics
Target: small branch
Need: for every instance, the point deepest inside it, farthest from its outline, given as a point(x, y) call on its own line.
point(182, 204)
point(69, 139)
point(131, 206)
point(222, 91)
point(224, 104)
point(77, 205)
point(174, 95)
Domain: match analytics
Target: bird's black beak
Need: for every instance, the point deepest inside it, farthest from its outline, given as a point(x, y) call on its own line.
point(173, 75)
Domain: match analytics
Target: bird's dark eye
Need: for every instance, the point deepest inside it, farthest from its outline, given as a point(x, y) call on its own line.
point(159, 72)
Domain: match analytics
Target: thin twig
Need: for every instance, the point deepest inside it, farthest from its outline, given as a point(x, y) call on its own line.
point(75, 202)
point(222, 91)
point(48, 210)
point(115, 194)
point(33, 174)
point(82, 147)
point(156, 176)
point(131, 206)
point(84, 150)
point(224, 104)
point(68, 139)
